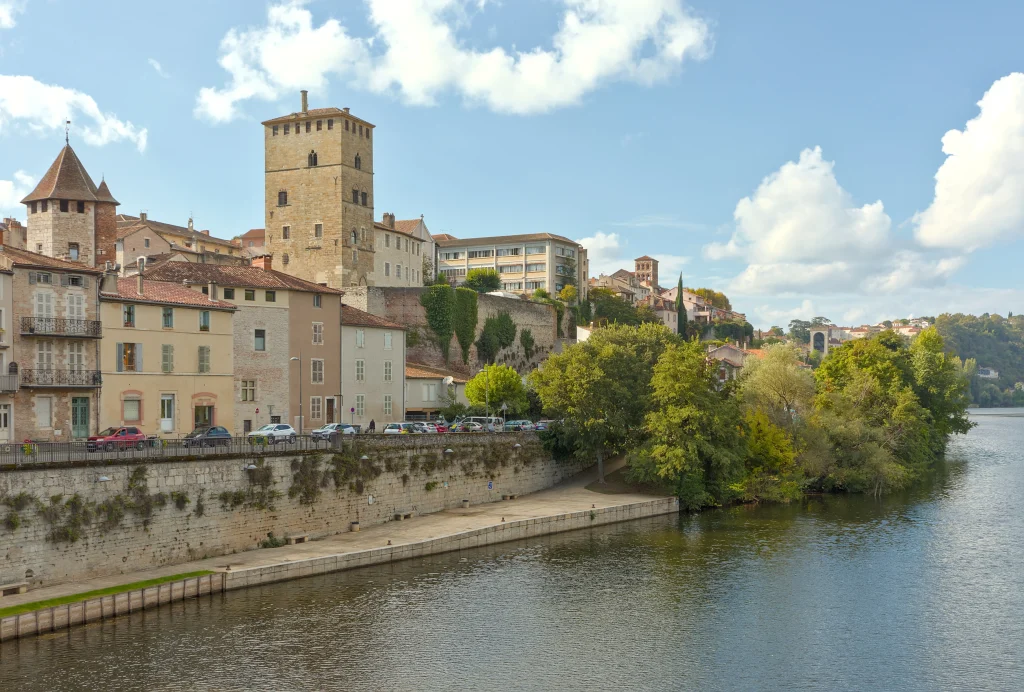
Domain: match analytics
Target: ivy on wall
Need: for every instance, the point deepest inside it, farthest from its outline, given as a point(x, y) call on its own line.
point(465, 319)
point(439, 303)
point(499, 332)
point(527, 342)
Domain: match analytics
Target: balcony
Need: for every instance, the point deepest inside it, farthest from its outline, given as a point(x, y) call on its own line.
point(8, 383)
point(61, 378)
point(59, 326)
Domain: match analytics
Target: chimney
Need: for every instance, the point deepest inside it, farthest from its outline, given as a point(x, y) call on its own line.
point(142, 216)
point(346, 109)
point(305, 101)
point(264, 262)
point(205, 232)
point(190, 224)
point(138, 279)
point(211, 290)
point(108, 282)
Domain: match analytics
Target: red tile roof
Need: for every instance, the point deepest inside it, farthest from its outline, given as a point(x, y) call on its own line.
point(67, 179)
point(407, 225)
point(126, 225)
point(417, 371)
point(103, 194)
point(444, 236)
point(646, 258)
point(255, 233)
point(446, 240)
point(234, 276)
point(165, 293)
point(24, 258)
point(353, 317)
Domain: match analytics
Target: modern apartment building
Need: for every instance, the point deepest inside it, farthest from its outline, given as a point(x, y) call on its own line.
point(525, 262)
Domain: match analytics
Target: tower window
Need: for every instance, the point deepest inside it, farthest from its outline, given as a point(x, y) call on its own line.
point(367, 133)
point(330, 123)
point(312, 159)
point(73, 251)
point(275, 130)
point(285, 258)
point(353, 238)
point(45, 206)
point(307, 126)
point(359, 162)
point(318, 230)
point(282, 197)
point(286, 232)
point(80, 207)
point(64, 205)
point(364, 199)
point(319, 125)
point(287, 128)
point(346, 126)
point(32, 207)
point(355, 196)
point(360, 129)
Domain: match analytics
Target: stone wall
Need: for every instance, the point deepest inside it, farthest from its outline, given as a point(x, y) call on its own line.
point(402, 305)
point(231, 509)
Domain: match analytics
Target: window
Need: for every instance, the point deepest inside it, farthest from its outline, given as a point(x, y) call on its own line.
point(512, 285)
point(566, 252)
point(318, 230)
point(132, 409)
point(360, 372)
point(316, 371)
point(367, 133)
point(452, 255)
point(128, 313)
point(362, 234)
point(168, 318)
point(32, 208)
point(317, 300)
point(360, 404)
point(248, 390)
point(43, 304)
point(507, 251)
point(284, 258)
point(398, 271)
point(316, 407)
point(359, 162)
point(360, 129)
point(387, 371)
point(537, 267)
point(76, 356)
point(282, 196)
point(204, 359)
point(250, 294)
point(44, 412)
point(73, 253)
point(506, 268)
point(360, 338)
point(473, 254)
point(275, 130)
point(387, 404)
point(260, 340)
point(75, 304)
point(387, 240)
point(287, 129)
point(387, 269)
point(312, 158)
point(319, 125)
point(536, 250)
point(532, 285)
point(270, 296)
point(229, 294)
point(286, 232)
point(129, 357)
point(167, 358)
point(63, 205)
point(355, 196)
point(353, 237)
point(429, 392)
point(330, 123)
point(318, 333)
point(39, 248)
point(145, 242)
point(80, 207)
point(364, 199)
point(44, 355)
point(346, 126)
point(307, 126)
point(204, 320)
point(387, 341)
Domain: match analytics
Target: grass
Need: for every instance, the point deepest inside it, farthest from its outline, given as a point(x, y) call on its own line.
point(109, 591)
point(616, 484)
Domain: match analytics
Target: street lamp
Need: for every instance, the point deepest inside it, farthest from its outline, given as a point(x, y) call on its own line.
point(301, 419)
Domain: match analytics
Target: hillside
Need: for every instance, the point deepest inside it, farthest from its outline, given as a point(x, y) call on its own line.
point(993, 342)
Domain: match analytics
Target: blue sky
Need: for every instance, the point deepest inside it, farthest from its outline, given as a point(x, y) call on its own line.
point(638, 125)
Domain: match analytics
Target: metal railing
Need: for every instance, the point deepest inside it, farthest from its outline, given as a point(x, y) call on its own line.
point(48, 377)
point(60, 326)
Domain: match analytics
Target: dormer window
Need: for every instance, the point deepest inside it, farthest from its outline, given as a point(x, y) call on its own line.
point(312, 159)
point(64, 205)
point(32, 208)
point(80, 207)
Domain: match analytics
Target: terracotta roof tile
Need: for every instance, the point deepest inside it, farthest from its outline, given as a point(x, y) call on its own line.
point(255, 233)
point(353, 317)
point(24, 258)
point(417, 371)
point(65, 179)
point(234, 276)
point(645, 258)
point(444, 236)
point(103, 194)
point(407, 225)
point(164, 292)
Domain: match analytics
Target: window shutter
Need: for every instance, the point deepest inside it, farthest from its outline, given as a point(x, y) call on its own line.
point(85, 282)
point(138, 357)
point(120, 357)
point(63, 279)
point(31, 277)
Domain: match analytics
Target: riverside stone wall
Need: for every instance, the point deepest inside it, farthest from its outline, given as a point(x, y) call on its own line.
point(61, 524)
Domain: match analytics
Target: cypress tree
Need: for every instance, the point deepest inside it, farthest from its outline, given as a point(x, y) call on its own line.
point(680, 308)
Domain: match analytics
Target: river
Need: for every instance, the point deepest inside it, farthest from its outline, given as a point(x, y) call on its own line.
point(920, 591)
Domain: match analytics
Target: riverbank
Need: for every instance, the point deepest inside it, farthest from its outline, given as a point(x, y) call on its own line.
point(565, 507)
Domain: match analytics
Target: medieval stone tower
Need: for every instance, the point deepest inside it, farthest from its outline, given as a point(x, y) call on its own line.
point(647, 270)
point(69, 217)
point(319, 195)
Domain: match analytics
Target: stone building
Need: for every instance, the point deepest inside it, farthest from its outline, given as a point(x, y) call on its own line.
point(646, 271)
point(52, 328)
point(398, 257)
point(13, 233)
point(140, 236)
point(279, 318)
point(8, 382)
point(167, 357)
point(318, 195)
point(373, 379)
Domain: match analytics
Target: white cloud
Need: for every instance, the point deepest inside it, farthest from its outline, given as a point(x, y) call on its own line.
point(609, 252)
point(979, 189)
point(13, 191)
point(158, 68)
point(416, 52)
point(9, 9)
point(660, 221)
point(44, 108)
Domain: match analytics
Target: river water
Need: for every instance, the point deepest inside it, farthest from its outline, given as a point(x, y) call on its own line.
point(922, 591)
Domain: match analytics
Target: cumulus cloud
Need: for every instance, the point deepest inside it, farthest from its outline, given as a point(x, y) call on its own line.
point(13, 191)
point(979, 189)
point(609, 252)
point(415, 52)
point(158, 68)
point(9, 9)
point(43, 108)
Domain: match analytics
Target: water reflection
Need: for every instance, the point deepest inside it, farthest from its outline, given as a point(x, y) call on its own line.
point(921, 590)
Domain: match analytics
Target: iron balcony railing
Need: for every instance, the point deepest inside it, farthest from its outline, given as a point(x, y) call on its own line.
point(48, 377)
point(60, 326)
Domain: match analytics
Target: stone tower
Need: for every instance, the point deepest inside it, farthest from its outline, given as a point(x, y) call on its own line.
point(318, 195)
point(68, 216)
point(647, 271)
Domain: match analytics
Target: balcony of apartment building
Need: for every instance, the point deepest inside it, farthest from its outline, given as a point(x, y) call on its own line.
point(61, 326)
point(61, 378)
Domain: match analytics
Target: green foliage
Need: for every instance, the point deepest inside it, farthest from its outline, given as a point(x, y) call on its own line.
point(483, 280)
point(431, 485)
point(715, 298)
point(609, 308)
point(429, 278)
point(439, 303)
point(682, 326)
point(67, 518)
point(499, 332)
point(527, 342)
point(412, 337)
point(496, 385)
point(568, 294)
point(308, 480)
point(12, 520)
point(993, 342)
point(777, 384)
point(200, 509)
point(272, 541)
point(465, 319)
point(770, 472)
point(180, 500)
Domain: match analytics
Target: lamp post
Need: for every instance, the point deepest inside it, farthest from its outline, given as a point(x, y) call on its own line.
point(301, 419)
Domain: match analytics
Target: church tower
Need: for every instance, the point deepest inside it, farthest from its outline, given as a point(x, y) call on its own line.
point(647, 271)
point(318, 195)
point(68, 216)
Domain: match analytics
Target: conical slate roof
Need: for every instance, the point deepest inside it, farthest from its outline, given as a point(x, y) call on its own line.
point(103, 194)
point(66, 179)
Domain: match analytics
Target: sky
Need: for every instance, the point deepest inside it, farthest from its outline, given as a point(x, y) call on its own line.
point(859, 161)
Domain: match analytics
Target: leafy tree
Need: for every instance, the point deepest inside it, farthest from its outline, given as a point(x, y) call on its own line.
point(770, 472)
point(609, 307)
point(496, 385)
point(715, 298)
point(776, 331)
point(541, 294)
point(429, 279)
point(800, 330)
point(568, 294)
point(820, 322)
point(465, 319)
point(777, 385)
point(499, 332)
point(483, 280)
point(569, 273)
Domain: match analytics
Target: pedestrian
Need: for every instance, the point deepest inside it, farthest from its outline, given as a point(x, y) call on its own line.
point(373, 425)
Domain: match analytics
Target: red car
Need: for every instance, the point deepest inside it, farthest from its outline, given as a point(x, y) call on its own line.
point(117, 438)
point(441, 427)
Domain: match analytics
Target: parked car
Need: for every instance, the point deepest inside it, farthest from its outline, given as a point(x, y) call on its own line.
point(519, 425)
point(543, 425)
point(209, 436)
point(116, 438)
point(467, 426)
point(492, 424)
point(441, 426)
point(400, 429)
point(429, 428)
point(273, 433)
point(332, 430)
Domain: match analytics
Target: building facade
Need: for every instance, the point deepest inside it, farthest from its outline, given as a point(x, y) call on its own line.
point(373, 379)
point(427, 391)
point(646, 271)
point(140, 236)
point(167, 357)
point(525, 262)
point(8, 382)
point(398, 257)
point(318, 195)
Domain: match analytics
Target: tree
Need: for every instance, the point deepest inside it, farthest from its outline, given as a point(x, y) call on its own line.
point(776, 331)
point(496, 385)
point(800, 330)
point(483, 280)
point(821, 322)
point(499, 332)
point(600, 388)
point(681, 323)
point(568, 272)
point(777, 385)
point(568, 294)
point(609, 307)
point(465, 318)
point(428, 271)
point(715, 298)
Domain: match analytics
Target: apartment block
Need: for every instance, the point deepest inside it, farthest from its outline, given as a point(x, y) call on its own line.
point(374, 371)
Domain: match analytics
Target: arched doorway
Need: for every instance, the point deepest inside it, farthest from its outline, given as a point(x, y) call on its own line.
point(819, 341)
